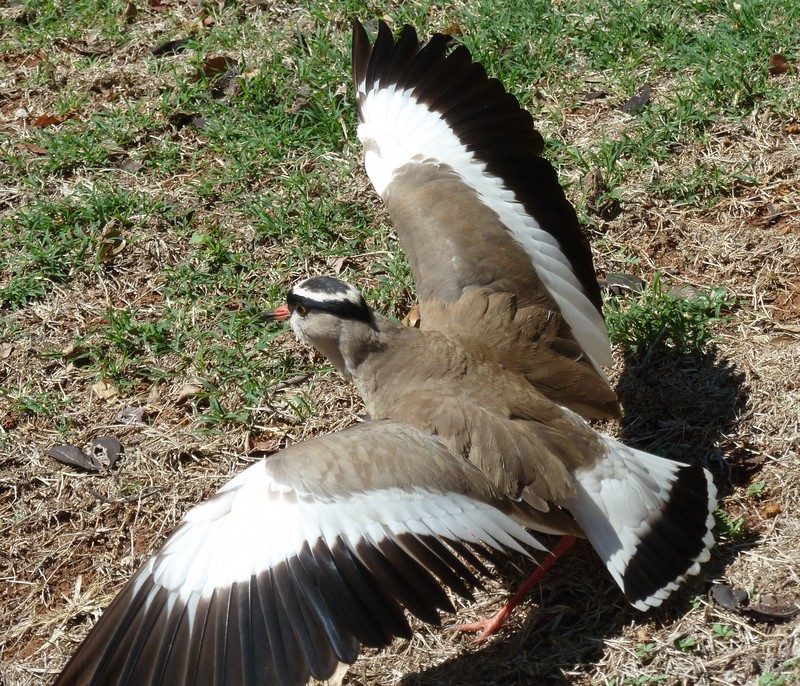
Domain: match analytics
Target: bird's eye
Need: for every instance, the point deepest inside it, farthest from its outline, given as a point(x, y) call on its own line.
point(301, 309)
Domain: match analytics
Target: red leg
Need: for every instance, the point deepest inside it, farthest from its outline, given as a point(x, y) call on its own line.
point(488, 626)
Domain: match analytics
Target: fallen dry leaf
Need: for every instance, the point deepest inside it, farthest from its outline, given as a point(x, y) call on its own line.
point(291, 381)
point(729, 598)
point(223, 73)
point(72, 455)
point(226, 85)
point(638, 102)
point(154, 396)
point(336, 264)
point(171, 47)
point(297, 105)
point(214, 66)
point(771, 510)
point(131, 415)
point(181, 119)
point(72, 349)
point(773, 607)
point(588, 96)
point(790, 328)
point(187, 391)
point(413, 318)
point(453, 30)
point(47, 120)
point(778, 64)
point(765, 607)
point(107, 447)
point(130, 12)
point(31, 147)
point(105, 389)
point(111, 244)
point(93, 46)
point(131, 166)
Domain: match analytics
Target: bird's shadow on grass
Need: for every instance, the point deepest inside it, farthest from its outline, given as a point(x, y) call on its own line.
point(574, 609)
point(680, 406)
point(684, 405)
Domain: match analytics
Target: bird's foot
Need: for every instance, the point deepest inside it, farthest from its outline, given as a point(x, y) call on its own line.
point(486, 626)
point(491, 624)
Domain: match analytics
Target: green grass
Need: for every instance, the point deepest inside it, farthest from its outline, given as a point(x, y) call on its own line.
point(42, 22)
point(47, 242)
point(274, 158)
point(629, 44)
point(730, 526)
point(789, 673)
point(660, 318)
point(39, 402)
point(722, 632)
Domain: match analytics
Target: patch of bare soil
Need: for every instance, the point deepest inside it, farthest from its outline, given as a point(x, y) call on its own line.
point(69, 540)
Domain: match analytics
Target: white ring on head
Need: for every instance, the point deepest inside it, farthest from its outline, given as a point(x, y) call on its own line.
point(350, 294)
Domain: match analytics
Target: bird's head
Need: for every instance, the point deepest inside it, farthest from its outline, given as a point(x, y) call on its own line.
point(330, 315)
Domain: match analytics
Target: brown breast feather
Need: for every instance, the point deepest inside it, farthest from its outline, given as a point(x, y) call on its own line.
point(525, 340)
point(475, 396)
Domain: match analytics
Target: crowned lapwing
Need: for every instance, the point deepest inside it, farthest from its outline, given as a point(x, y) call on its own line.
point(478, 434)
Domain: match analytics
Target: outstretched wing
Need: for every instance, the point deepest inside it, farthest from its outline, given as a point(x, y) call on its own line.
point(301, 559)
point(458, 163)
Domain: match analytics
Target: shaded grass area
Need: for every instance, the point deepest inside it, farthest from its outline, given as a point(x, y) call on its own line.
point(171, 200)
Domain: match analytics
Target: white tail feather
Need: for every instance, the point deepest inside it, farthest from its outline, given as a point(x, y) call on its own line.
point(649, 518)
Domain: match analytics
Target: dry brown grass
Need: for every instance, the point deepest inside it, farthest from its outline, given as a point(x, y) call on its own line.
point(68, 541)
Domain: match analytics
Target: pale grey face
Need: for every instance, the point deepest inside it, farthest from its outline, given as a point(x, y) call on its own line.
point(322, 295)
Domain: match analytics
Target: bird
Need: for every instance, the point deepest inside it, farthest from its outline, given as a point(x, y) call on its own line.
point(458, 163)
point(465, 379)
point(478, 433)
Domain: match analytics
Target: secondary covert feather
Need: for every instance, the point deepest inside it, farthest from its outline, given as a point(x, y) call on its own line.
point(479, 430)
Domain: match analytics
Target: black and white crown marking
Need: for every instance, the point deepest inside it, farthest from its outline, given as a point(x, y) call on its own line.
point(331, 295)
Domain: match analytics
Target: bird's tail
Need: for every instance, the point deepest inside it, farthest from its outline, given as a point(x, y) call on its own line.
point(650, 519)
